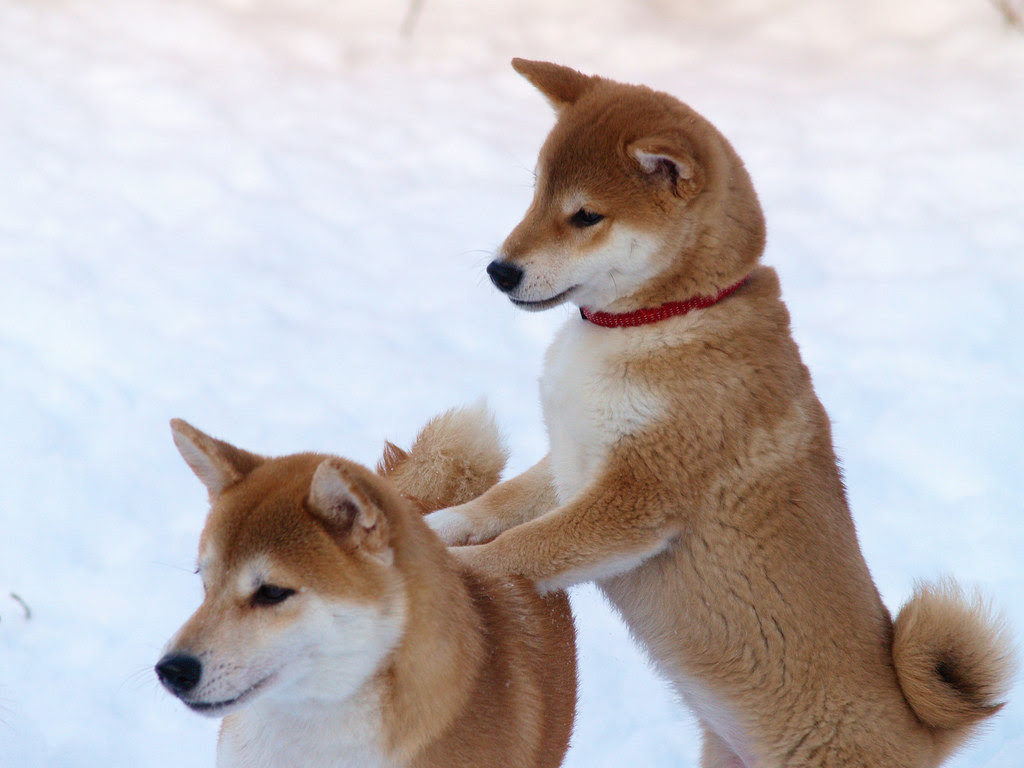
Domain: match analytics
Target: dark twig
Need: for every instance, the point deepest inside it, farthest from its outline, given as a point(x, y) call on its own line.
point(411, 17)
point(1012, 12)
point(23, 604)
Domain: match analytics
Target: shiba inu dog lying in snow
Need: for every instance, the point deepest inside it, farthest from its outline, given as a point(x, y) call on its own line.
point(691, 472)
point(338, 631)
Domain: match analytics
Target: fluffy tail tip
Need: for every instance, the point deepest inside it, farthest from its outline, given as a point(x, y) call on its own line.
point(456, 456)
point(953, 656)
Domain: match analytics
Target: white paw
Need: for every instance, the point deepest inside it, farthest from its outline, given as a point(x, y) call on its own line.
point(451, 526)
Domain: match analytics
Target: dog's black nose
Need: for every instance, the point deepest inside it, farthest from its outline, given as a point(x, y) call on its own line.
point(504, 275)
point(179, 672)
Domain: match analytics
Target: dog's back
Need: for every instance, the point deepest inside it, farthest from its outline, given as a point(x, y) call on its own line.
point(521, 709)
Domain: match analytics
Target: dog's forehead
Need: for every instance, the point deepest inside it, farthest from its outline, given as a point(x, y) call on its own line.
point(588, 140)
point(264, 512)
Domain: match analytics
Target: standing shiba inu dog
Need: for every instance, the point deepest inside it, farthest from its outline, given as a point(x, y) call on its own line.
point(691, 471)
point(338, 631)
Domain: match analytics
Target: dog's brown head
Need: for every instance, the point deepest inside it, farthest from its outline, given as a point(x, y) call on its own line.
point(297, 562)
point(639, 200)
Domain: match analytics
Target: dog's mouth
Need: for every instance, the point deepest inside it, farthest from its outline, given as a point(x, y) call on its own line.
point(537, 306)
point(218, 708)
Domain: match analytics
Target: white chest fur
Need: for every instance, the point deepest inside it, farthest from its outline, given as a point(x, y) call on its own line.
point(313, 735)
point(592, 397)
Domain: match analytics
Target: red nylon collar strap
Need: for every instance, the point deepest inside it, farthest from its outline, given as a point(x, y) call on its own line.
point(650, 315)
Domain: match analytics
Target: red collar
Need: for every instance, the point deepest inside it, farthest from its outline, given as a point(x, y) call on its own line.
point(657, 314)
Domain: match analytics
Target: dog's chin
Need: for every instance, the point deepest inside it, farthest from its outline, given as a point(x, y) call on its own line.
point(542, 304)
point(227, 706)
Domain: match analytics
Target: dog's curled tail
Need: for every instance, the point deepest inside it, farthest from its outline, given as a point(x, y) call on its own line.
point(456, 457)
point(953, 658)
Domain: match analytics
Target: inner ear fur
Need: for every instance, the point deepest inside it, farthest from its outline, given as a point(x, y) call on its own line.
point(671, 163)
point(350, 508)
point(561, 85)
point(218, 464)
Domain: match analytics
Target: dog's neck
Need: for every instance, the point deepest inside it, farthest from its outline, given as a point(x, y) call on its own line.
point(334, 734)
point(648, 315)
point(433, 671)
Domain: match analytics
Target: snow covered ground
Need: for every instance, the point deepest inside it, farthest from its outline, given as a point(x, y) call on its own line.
point(271, 217)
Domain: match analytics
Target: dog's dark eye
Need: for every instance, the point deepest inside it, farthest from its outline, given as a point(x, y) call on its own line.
point(584, 218)
point(268, 594)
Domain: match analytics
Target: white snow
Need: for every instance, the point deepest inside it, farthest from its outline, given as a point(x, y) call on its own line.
point(271, 217)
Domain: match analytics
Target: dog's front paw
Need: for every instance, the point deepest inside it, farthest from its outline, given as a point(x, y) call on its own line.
point(476, 558)
point(451, 526)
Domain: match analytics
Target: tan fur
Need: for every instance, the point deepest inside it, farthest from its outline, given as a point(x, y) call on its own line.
point(594, 147)
point(454, 459)
point(942, 642)
point(482, 672)
point(692, 473)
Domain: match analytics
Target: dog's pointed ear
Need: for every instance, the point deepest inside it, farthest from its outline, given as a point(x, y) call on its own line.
point(217, 464)
point(561, 85)
point(347, 505)
point(391, 459)
point(671, 163)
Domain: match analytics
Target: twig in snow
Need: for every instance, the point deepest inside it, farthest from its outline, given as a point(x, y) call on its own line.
point(1012, 11)
point(411, 17)
point(23, 604)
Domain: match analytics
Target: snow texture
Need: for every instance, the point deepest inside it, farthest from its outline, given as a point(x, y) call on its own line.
point(271, 217)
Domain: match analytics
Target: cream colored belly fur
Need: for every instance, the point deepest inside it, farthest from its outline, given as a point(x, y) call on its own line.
point(589, 402)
